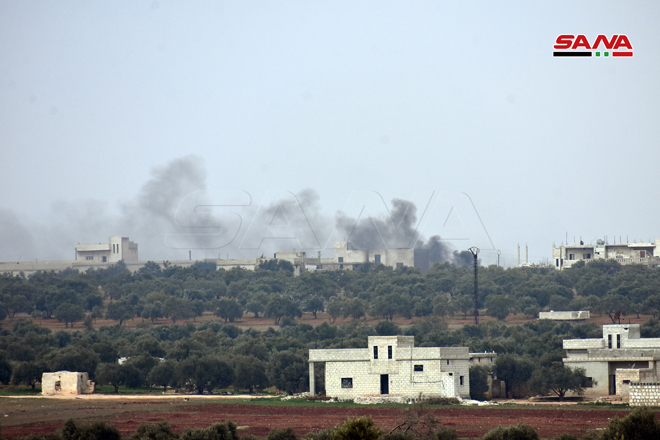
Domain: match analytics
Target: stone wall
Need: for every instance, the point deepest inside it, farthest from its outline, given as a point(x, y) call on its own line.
point(565, 316)
point(644, 394)
point(346, 380)
point(66, 382)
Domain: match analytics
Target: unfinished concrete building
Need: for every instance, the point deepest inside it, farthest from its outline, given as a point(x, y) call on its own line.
point(621, 356)
point(392, 366)
point(66, 382)
point(571, 316)
point(117, 249)
point(624, 253)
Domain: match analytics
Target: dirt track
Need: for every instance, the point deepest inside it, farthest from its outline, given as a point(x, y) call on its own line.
point(43, 416)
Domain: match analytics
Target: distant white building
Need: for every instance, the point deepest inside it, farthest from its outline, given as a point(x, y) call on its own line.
point(565, 316)
point(392, 366)
point(625, 253)
point(66, 382)
point(117, 249)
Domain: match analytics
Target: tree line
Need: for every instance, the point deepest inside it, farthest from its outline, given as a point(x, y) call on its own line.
point(183, 294)
point(171, 356)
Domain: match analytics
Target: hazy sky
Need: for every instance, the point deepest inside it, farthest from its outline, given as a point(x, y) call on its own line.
point(106, 107)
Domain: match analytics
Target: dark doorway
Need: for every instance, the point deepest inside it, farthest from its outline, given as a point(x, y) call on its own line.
point(612, 387)
point(384, 384)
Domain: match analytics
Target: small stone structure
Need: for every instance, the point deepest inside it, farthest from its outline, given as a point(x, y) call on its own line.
point(565, 316)
point(66, 382)
point(392, 366)
point(644, 394)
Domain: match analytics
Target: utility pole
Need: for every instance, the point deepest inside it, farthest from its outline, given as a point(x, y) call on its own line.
point(475, 250)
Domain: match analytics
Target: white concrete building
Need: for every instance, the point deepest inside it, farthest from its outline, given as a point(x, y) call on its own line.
point(117, 249)
point(66, 382)
point(616, 359)
point(625, 253)
point(580, 315)
point(392, 366)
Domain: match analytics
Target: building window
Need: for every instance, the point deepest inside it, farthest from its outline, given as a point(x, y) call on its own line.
point(389, 352)
point(347, 382)
point(105, 259)
point(377, 258)
point(375, 352)
point(447, 361)
point(419, 367)
point(609, 341)
point(399, 265)
point(570, 256)
point(89, 258)
point(618, 341)
point(461, 380)
point(586, 256)
point(557, 262)
point(340, 259)
point(341, 267)
point(642, 254)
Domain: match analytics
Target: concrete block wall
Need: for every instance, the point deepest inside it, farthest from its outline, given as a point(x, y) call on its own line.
point(69, 383)
point(598, 372)
point(403, 382)
point(363, 381)
point(565, 316)
point(644, 394)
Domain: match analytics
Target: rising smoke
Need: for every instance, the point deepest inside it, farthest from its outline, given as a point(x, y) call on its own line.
point(397, 229)
point(155, 214)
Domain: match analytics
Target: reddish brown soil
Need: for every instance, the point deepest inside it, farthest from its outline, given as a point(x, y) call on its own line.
point(260, 419)
point(262, 323)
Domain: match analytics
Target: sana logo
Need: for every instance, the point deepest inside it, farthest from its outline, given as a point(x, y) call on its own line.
point(579, 46)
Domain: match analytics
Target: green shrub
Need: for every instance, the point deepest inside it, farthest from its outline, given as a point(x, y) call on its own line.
point(478, 382)
point(640, 424)
point(515, 432)
point(217, 431)
point(325, 434)
point(565, 437)
point(591, 435)
point(88, 431)
point(154, 431)
point(362, 428)
point(282, 434)
point(445, 433)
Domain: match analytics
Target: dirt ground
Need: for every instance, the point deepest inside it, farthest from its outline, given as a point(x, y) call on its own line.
point(20, 417)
